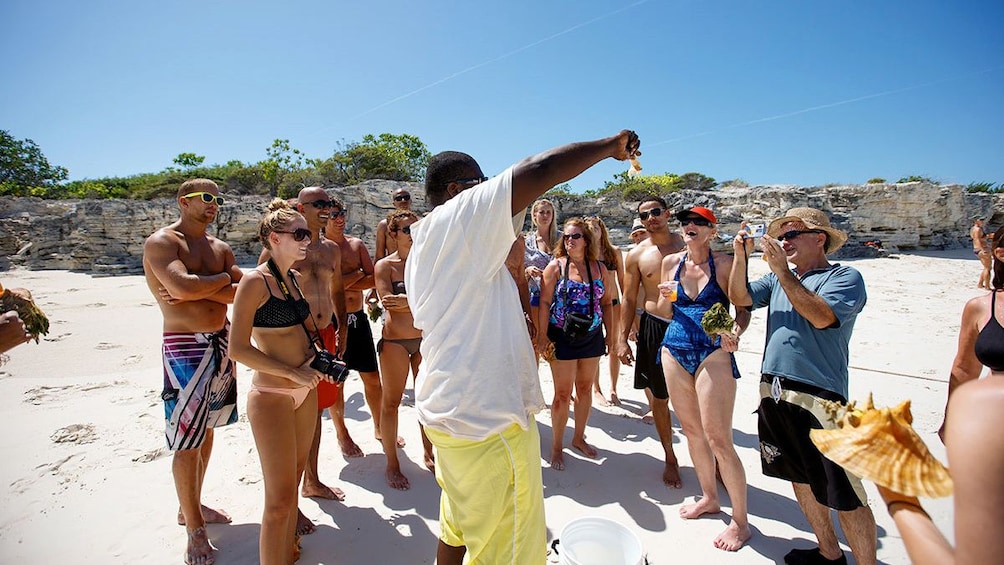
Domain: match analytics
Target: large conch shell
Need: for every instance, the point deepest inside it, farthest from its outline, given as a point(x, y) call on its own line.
point(880, 445)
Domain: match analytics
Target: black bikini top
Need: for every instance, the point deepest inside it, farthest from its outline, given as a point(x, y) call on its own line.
point(990, 343)
point(398, 287)
point(279, 313)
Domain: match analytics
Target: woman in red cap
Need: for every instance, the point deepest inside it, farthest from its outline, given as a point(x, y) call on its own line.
point(700, 370)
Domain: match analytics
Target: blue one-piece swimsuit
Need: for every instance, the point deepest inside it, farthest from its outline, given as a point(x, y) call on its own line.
point(685, 338)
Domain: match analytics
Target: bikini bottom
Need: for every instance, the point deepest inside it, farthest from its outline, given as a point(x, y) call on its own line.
point(298, 394)
point(410, 344)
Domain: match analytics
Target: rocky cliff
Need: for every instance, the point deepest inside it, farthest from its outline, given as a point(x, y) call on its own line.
point(106, 236)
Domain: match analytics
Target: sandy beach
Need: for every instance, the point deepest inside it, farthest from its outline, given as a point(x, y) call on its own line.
point(88, 479)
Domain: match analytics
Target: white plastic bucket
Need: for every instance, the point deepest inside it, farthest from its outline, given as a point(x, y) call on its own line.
point(593, 540)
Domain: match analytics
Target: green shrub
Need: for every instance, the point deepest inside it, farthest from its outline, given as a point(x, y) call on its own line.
point(984, 187)
point(915, 178)
point(876, 180)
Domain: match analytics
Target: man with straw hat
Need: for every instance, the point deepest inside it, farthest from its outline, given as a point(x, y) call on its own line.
point(811, 311)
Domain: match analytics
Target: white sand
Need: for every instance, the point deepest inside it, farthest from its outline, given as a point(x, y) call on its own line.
point(103, 493)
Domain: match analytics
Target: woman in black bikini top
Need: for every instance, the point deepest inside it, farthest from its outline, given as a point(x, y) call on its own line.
point(283, 392)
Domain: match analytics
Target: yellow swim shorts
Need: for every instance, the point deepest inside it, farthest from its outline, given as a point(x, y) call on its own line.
point(493, 496)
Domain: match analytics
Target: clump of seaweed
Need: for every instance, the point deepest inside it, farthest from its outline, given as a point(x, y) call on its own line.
point(19, 300)
point(717, 320)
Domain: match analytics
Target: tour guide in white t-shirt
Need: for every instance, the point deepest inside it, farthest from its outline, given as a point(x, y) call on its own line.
point(477, 389)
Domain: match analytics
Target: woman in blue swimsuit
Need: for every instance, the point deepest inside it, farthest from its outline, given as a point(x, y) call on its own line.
point(700, 370)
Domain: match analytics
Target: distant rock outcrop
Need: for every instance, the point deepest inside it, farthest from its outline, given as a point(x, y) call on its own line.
point(106, 236)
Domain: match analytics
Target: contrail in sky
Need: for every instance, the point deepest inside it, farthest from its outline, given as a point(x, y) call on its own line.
point(499, 58)
point(824, 106)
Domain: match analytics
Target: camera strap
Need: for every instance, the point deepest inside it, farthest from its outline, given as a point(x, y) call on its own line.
point(314, 339)
point(589, 275)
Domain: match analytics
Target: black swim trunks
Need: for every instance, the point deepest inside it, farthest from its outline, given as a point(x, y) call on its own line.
point(647, 370)
point(786, 452)
point(360, 353)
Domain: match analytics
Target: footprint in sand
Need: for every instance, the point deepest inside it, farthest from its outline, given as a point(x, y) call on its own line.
point(73, 290)
point(152, 455)
point(59, 337)
point(132, 359)
point(105, 346)
point(96, 305)
point(75, 433)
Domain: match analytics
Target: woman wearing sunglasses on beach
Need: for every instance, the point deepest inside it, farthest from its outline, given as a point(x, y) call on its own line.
point(399, 343)
point(573, 284)
point(282, 400)
point(701, 371)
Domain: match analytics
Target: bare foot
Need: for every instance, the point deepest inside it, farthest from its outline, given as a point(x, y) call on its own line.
point(209, 516)
point(586, 449)
point(349, 448)
point(304, 526)
point(430, 462)
point(557, 460)
point(321, 490)
point(199, 551)
point(397, 480)
point(733, 537)
point(671, 474)
point(648, 418)
point(614, 399)
point(599, 399)
point(704, 505)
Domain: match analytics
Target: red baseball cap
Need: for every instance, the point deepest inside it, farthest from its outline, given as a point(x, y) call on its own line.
point(697, 211)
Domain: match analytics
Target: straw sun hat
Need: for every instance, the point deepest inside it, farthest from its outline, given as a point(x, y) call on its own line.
point(814, 220)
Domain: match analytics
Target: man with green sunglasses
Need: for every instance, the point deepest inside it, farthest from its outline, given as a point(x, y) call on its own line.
point(193, 276)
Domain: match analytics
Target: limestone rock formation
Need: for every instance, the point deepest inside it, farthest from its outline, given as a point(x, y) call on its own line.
point(106, 236)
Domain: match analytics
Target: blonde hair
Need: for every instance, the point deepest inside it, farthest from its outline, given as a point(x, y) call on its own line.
point(394, 218)
point(280, 214)
point(552, 231)
point(587, 235)
point(611, 256)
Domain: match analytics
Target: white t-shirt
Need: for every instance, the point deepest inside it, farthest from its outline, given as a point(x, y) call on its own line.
point(478, 374)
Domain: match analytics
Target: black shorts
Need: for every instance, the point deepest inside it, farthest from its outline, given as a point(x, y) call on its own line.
point(565, 349)
point(360, 353)
point(786, 452)
point(647, 370)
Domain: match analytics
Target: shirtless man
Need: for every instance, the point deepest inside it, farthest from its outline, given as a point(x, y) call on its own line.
point(193, 276)
point(360, 355)
point(386, 245)
point(321, 284)
point(982, 251)
point(643, 266)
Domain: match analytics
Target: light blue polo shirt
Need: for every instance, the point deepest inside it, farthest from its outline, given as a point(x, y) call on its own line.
point(797, 350)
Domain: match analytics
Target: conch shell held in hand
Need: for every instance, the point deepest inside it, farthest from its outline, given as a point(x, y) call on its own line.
point(880, 445)
point(635, 169)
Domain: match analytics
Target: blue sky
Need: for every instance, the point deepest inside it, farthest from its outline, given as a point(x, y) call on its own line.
point(771, 91)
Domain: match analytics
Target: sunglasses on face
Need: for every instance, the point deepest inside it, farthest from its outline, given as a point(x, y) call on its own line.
point(321, 204)
point(402, 198)
point(697, 221)
point(334, 215)
point(792, 234)
point(472, 180)
point(207, 197)
point(654, 212)
point(406, 230)
point(299, 234)
point(573, 236)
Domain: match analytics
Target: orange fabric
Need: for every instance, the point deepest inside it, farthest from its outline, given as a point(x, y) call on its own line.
point(327, 393)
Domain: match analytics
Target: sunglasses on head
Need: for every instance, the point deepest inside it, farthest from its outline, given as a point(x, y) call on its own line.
point(472, 180)
point(696, 220)
point(654, 212)
point(791, 234)
point(402, 197)
point(207, 197)
point(573, 236)
point(406, 230)
point(299, 234)
point(321, 204)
